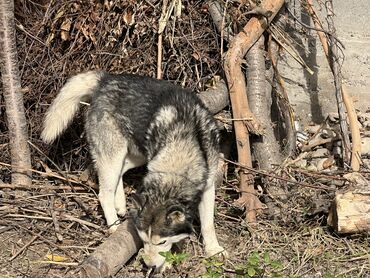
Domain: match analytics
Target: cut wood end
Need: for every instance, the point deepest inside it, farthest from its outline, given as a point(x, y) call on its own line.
point(350, 212)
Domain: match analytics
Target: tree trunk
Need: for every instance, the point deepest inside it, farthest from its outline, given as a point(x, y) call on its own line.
point(265, 148)
point(239, 46)
point(17, 125)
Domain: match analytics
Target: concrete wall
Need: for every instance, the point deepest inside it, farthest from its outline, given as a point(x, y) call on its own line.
point(313, 95)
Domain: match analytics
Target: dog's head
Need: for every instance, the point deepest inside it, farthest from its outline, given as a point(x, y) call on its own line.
point(160, 225)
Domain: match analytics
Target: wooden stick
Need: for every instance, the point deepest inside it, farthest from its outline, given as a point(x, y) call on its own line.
point(239, 46)
point(46, 174)
point(42, 187)
point(332, 56)
point(161, 26)
point(55, 220)
point(64, 217)
point(355, 130)
point(56, 263)
point(13, 97)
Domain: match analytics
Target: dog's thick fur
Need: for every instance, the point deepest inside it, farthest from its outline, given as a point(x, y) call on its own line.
point(133, 120)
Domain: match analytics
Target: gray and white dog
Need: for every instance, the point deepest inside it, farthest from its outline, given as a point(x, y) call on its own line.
point(133, 120)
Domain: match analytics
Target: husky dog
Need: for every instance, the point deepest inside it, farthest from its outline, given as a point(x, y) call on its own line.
point(133, 120)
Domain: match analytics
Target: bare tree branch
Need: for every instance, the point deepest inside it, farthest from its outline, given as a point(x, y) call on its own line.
point(20, 153)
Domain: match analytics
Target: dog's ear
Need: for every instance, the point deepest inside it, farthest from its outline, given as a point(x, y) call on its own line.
point(176, 215)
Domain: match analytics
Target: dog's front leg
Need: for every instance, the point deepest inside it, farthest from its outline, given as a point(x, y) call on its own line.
point(206, 213)
point(109, 178)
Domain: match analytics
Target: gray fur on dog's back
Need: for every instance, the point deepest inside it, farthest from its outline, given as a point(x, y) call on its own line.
point(147, 109)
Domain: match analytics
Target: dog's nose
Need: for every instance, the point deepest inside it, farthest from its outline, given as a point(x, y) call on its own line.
point(152, 264)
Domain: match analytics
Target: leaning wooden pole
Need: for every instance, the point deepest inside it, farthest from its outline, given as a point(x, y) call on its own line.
point(352, 117)
point(15, 114)
point(239, 46)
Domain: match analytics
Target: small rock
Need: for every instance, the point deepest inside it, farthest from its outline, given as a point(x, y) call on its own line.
point(333, 117)
point(302, 136)
point(366, 163)
point(312, 168)
point(323, 163)
point(320, 164)
point(301, 163)
point(365, 146)
point(336, 184)
point(366, 124)
point(312, 129)
point(363, 117)
point(321, 152)
point(356, 178)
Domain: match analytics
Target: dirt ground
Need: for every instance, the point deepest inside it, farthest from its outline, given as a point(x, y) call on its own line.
point(295, 243)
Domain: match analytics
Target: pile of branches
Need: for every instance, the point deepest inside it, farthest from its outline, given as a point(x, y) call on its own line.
point(60, 38)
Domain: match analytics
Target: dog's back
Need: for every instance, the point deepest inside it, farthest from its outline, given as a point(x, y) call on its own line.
point(149, 111)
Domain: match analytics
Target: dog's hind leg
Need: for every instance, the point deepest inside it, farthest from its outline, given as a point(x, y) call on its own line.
point(206, 213)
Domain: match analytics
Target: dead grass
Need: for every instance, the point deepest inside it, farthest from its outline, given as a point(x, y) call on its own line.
point(297, 241)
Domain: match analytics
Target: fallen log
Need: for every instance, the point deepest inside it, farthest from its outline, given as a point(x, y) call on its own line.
point(112, 254)
point(215, 98)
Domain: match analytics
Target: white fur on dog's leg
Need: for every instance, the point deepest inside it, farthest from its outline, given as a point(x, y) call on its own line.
point(206, 213)
point(106, 198)
point(120, 199)
point(109, 172)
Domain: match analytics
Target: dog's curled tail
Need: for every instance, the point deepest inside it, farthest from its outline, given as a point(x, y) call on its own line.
point(61, 112)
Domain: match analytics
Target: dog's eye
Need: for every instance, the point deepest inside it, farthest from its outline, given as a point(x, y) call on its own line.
point(162, 242)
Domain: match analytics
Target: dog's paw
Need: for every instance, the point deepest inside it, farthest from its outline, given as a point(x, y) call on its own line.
point(121, 211)
point(216, 251)
point(113, 228)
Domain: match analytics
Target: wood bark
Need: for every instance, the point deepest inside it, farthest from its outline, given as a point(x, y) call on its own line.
point(335, 67)
point(215, 98)
point(285, 110)
point(17, 125)
point(266, 149)
point(239, 46)
point(112, 254)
